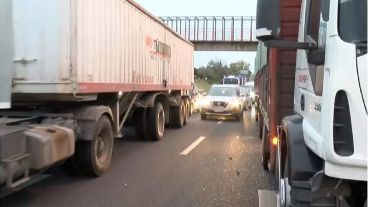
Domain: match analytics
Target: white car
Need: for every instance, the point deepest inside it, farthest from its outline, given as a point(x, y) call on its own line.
point(246, 98)
point(222, 100)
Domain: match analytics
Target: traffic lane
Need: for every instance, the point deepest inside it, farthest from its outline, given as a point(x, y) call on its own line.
point(136, 166)
point(223, 170)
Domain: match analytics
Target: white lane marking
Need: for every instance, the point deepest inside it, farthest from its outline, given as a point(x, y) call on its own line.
point(219, 122)
point(192, 146)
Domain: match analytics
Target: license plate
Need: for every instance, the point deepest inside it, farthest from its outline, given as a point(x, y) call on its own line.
point(219, 110)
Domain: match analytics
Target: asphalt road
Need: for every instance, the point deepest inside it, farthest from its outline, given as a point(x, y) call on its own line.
point(222, 170)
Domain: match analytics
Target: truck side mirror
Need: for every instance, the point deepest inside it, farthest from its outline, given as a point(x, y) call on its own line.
point(268, 27)
point(316, 57)
point(268, 20)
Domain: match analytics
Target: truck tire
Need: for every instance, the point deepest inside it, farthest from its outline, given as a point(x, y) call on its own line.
point(284, 187)
point(265, 146)
point(260, 127)
point(177, 115)
point(239, 117)
point(187, 111)
point(272, 159)
point(156, 122)
point(191, 109)
point(92, 158)
point(140, 123)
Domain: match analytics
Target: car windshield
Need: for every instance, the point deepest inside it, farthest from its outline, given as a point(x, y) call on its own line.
point(353, 21)
point(222, 91)
point(242, 90)
point(231, 81)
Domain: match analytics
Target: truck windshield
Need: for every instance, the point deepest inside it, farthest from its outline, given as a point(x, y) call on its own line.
point(222, 91)
point(231, 81)
point(353, 21)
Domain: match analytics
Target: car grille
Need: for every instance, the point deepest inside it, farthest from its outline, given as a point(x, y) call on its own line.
point(219, 104)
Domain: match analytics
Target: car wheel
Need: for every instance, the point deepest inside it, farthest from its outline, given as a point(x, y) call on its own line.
point(203, 117)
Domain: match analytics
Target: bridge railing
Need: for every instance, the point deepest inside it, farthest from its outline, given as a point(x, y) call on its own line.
point(214, 29)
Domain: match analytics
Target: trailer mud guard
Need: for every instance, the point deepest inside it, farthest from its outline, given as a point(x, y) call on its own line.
point(149, 99)
point(87, 118)
point(302, 163)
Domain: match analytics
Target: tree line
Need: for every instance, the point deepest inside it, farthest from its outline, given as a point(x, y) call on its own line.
point(216, 69)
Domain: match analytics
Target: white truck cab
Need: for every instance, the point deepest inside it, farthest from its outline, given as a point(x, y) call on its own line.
point(331, 85)
point(232, 80)
point(322, 149)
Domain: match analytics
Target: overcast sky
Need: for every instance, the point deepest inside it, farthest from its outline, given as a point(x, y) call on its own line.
point(206, 8)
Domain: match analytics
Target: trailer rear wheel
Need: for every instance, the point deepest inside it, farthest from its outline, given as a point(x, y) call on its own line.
point(140, 123)
point(156, 122)
point(93, 157)
point(187, 111)
point(191, 109)
point(177, 115)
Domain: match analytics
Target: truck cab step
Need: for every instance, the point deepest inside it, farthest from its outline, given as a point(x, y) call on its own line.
point(12, 179)
point(267, 198)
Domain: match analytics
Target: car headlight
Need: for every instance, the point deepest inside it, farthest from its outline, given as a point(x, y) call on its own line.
point(234, 103)
point(252, 94)
point(205, 103)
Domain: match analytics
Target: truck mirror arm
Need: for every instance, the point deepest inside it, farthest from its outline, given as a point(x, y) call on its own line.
point(286, 44)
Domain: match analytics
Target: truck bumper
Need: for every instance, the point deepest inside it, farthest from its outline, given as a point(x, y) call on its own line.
point(358, 173)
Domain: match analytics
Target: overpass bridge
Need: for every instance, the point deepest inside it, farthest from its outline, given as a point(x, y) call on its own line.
point(216, 33)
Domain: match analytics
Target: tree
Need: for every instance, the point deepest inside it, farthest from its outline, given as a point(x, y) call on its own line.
point(217, 69)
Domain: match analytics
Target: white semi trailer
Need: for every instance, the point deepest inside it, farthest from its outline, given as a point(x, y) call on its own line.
point(73, 73)
point(321, 149)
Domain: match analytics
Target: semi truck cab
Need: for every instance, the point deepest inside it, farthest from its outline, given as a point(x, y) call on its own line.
point(322, 149)
point(330, 82)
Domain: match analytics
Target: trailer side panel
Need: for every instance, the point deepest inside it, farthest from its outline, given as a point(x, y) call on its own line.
point(92, 46)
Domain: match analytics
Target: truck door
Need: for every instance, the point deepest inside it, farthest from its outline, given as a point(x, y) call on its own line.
point(6, 53)
point(310, 65)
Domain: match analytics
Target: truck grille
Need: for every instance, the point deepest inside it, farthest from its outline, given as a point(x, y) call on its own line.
point(219, 104)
